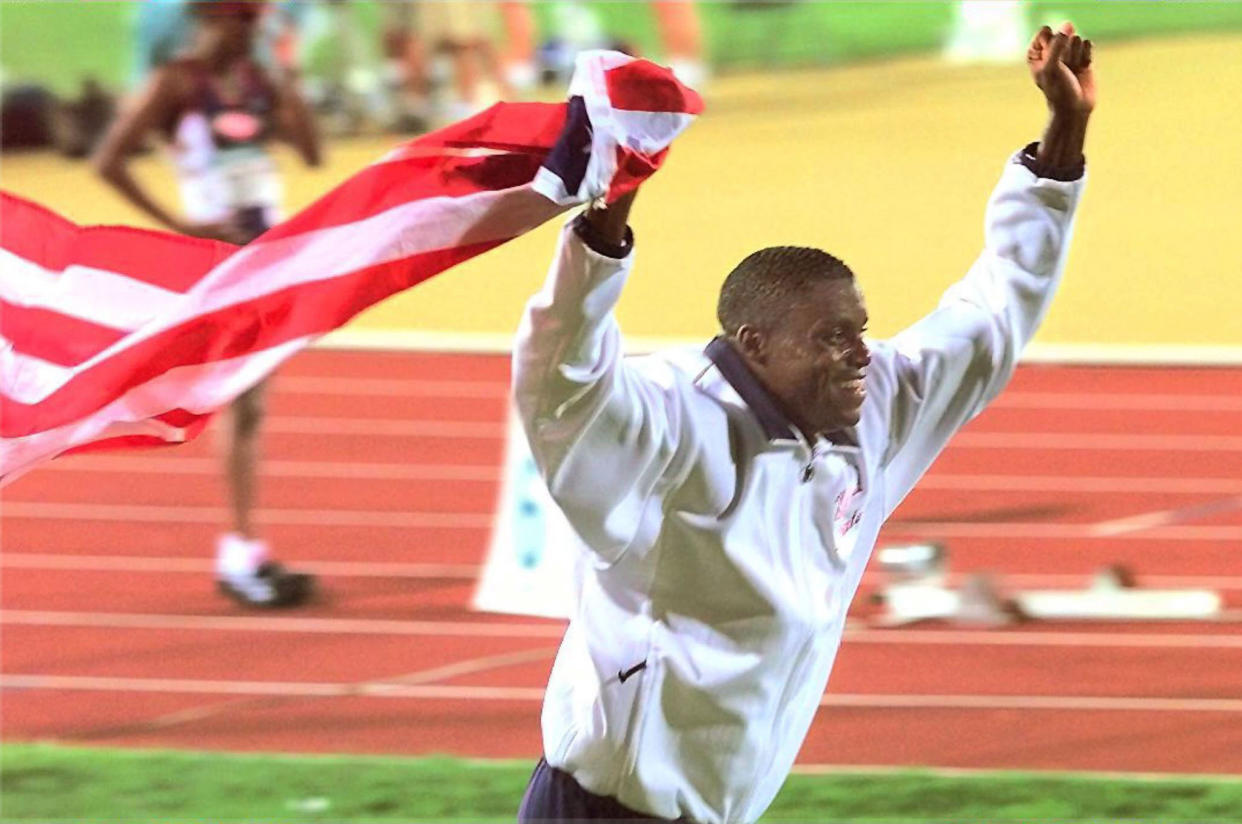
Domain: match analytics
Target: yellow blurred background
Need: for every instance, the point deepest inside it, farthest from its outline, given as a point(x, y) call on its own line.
point(887, 165)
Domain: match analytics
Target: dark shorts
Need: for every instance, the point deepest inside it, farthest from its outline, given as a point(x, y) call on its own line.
point(554, 796)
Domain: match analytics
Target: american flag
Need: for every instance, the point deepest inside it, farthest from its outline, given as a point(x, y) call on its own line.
point(113, 336)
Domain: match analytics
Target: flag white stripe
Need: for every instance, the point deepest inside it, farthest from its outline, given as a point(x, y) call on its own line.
point(402, 231)
point(197, 388)
point(23, 375)
point(97, 295)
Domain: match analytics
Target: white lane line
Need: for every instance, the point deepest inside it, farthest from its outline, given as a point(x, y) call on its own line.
point(1005, 638)
point(386, 427)
point(300, 689)
point(427, 428)
point(1035, 530)
point(163, 565)
point(38, 510)
point(332, 470)
point(390, 387)
point(1002, 772)
point(1172, 402)
point(499, 389)
point(1165, 517)
point(1033, 702)
point(383, 689)
point(554, 629)
point(470, 666)
point(315, 626)
point(145, 463)
point(496, 430)
point(1097, 441)
point(482, 430)
point(1084, 484)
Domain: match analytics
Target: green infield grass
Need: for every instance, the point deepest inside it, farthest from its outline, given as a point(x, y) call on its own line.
point(44, 782)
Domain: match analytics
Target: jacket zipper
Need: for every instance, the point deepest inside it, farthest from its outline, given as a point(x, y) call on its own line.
point(808, 471)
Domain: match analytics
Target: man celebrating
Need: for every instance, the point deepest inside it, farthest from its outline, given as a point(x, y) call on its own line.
point(728, 500)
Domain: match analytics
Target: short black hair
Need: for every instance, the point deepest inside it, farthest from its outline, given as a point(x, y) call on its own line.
point(758, 290)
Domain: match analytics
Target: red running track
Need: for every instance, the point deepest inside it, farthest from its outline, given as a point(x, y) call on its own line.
point(382, 471)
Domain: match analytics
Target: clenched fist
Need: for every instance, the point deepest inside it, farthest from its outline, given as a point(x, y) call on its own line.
point(1060, 65)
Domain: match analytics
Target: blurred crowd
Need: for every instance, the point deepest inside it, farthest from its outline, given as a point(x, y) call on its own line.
point(428, 63)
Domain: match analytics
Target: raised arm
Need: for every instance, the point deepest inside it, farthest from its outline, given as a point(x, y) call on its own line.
point(1061, 66)
point(938, 374)
point(608, 437)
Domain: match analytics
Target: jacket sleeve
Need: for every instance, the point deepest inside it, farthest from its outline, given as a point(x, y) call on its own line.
point(607, 437)
point(938, 374)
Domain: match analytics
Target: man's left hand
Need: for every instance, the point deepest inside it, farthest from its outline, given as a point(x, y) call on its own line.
point(1060, 65)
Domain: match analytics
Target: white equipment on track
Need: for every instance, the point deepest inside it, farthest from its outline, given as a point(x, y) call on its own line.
point(918, 590)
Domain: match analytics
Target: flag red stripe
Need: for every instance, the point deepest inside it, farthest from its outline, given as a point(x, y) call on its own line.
point(513, 127)
point(51, 336)
point(392, 184)
point(305, 309)
point(527, 130)
point(131, 441)
point(162, 259)
point(632, 169)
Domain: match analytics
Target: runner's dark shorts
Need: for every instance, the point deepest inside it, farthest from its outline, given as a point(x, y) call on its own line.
point(554, 796)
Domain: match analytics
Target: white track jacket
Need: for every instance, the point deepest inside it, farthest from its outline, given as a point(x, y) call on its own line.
point(721, 547)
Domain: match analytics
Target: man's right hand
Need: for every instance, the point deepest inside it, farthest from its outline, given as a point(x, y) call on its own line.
point(610, 220)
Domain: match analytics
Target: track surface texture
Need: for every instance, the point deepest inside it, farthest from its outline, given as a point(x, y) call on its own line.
point(381, 474)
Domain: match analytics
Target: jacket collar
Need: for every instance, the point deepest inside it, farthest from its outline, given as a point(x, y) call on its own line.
point(776, 425)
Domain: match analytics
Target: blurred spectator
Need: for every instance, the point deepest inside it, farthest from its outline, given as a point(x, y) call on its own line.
point(992, 31)
point(519, 57)
point(406, 75)
point(459, 35)
point(343, 78)
point(78, 125)
point(575, 27)
point(681, 37)
point(26, 116)
point(34, 118)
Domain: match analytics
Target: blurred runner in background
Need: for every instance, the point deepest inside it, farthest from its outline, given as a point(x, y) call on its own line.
point(218, 108)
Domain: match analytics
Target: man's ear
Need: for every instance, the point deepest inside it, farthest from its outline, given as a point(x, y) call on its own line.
point(752, 343)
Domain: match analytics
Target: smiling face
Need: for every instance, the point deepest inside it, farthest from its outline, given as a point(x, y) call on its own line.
point(797, 317)
point(814, 361)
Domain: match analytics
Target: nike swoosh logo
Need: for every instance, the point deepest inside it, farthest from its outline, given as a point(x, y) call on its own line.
point(627, 674)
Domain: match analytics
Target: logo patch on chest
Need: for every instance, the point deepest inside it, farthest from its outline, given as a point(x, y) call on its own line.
point(846, 512)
